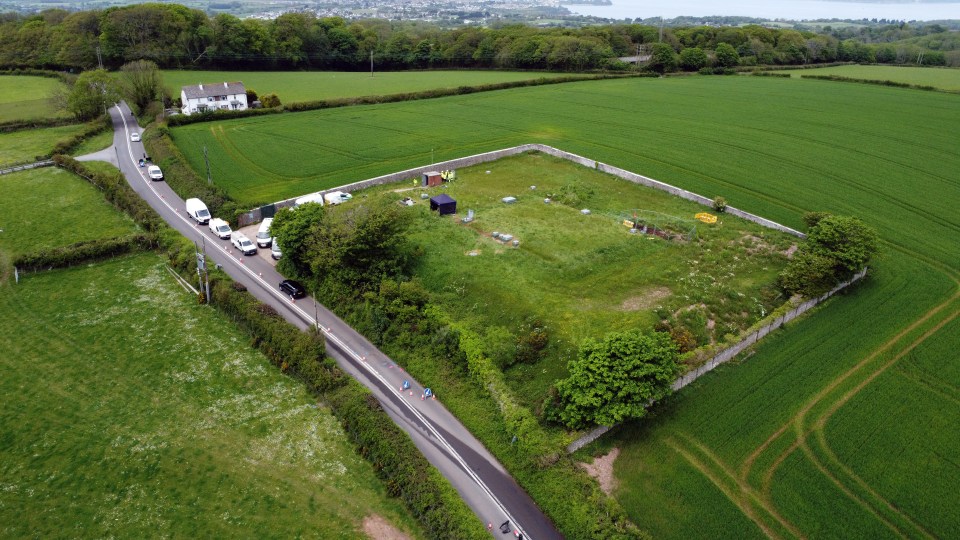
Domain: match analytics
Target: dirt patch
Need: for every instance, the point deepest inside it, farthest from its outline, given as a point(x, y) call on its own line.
point(602, 470)
point(790, 251)
point(377, 528)
point(647, 299)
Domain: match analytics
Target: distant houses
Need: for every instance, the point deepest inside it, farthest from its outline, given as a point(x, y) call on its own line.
point(212, 97)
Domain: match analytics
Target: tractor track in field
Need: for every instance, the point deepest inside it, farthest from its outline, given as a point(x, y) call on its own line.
point(802, 430)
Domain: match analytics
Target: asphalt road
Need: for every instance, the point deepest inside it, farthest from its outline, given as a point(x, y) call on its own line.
point(482, 481)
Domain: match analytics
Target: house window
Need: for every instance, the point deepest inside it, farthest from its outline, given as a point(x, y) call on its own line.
point(210, 98)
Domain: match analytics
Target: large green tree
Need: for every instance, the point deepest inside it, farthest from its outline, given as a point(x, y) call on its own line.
point(837, 247)
point(693, 59)
point(727, 56)
point(614, 379)
point(662, 58)
point(141, 83)
point(92, 93)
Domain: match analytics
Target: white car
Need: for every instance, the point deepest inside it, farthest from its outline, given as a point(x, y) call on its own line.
point(135, 137)
point(220, 228)
point(154, 172)
point(244, 244)
point(275, 250)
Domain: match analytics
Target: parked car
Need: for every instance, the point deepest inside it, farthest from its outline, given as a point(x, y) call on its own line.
point(154, 172)
point(263, 233)
point(292, 288)
point(275, 250)
point(220, 228)
point(198, 211)
point(244, 244)
point(135, 137)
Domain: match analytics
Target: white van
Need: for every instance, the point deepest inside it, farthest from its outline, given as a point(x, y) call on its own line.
point(311, 198)
point(154, 172)
point(263, 233)
point(198, 211)
point(337, 197)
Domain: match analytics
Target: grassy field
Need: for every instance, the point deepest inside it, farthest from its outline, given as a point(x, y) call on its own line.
point(130, 411)
point(312, 85)
point(584, 276)
point(797, 440)
point(49, 207)
point(942, 78)
point(95, 144)
point(24, 97)
point(26, 145)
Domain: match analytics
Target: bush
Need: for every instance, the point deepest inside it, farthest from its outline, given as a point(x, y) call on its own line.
point(531, 341)
point(719, 204)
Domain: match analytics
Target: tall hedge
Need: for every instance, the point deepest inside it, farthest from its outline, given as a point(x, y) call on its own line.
point(400, 465)
point(84, 252)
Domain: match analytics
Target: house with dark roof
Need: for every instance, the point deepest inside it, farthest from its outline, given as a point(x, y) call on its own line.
point(230, 96)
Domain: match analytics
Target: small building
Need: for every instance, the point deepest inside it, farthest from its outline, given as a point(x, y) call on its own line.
point(213, 97)
point(431, 179)
point(444, 203)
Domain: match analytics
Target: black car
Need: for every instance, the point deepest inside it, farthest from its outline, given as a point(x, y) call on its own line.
point(293, 288)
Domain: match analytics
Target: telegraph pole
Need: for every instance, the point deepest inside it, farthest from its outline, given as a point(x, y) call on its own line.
point(99, 58)
point(371, 62)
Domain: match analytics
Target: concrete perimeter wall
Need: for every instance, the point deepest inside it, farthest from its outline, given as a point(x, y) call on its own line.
point(255, 215)
point(730, 353)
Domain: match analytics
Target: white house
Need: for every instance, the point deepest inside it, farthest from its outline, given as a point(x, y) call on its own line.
point(210, 97)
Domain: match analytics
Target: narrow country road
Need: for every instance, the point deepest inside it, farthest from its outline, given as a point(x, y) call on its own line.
point(482, 481)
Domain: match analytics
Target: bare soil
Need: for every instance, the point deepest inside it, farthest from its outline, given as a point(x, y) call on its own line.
point(377, 528)
point(645, 300)
point(602, 470)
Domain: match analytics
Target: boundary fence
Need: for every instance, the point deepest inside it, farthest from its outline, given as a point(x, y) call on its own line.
point(16, 167)
point(730, 352)
point(256, 214)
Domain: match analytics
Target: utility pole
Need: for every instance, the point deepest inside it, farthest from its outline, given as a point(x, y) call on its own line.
point(206, 160)
point(660, 39)
point(371, 62)
point(202, 270)
point(99, 58)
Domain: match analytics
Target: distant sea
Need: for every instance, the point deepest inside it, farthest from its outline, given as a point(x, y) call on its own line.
point(775, 9)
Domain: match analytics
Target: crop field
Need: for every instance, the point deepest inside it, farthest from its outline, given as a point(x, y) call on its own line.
point(585, 275)
point(799, 439)
point(130, 411)
point(49, 207)
point(314, 85)
point(23, 97)
point(942, 78)
point(26, 145)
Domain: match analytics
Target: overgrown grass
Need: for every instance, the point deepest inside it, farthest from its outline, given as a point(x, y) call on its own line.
point(942, 78)
point(27, 145)
point(131, 411)
point(583, 276)
point(49, 207)
point(773, 147)
point(24, 97)
point(314, 85)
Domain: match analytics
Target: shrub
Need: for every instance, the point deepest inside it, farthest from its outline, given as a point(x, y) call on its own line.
point(719, 204)
point(531, 341)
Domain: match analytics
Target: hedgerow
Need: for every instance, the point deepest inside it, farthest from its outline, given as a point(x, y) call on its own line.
point(840, 78)
point(84, 252)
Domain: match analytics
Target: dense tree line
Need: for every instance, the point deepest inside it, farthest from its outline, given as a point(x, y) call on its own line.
point(176, 36)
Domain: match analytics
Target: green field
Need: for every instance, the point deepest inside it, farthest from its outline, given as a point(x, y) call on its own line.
point(797, 441)
point(583, 276)
point(49, 207)
point(132, 412)
point(292, 86)
point(942, 78)
point(26, 145)
point(24, 97)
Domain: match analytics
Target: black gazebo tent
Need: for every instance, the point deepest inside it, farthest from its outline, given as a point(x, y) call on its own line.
point(444, 203)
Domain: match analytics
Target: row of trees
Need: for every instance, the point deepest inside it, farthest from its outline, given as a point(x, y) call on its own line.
point(176, 36)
